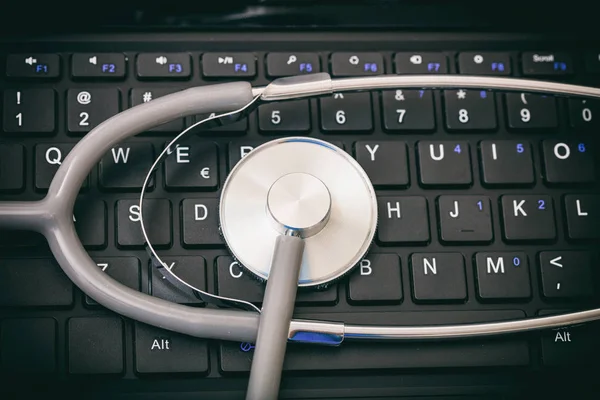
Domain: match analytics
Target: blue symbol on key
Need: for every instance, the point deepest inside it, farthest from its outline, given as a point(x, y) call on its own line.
point(246, 347)
point(240, 67)
point(498, 67)
point(516, 261)
point(109, 68)
point(176, 68)
point(370, 67)
point(421, 93)
point(306, 67)
point(433, 67)
point(41, 68)
point(483, 94)
point(560, 66)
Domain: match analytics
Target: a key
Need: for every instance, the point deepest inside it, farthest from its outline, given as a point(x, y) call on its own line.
point(158, 223)
point(438, 277)
point(12, 168)
point(465, 219)
point(546, 63)
point(88, 108)
point(158, 351)
point(502, 276)
point(237, 150)
point(236, 126)
point(402, 219)
point(346, 112)
point(444, 163)
point(385, 162)
point(583, 218)
point(288, 64)
point(125, 270)
point(567, 162)
point(506, 162)
point(531, 111)
point(144, 95)
point(528, 217)
point(228, 65)
point(470, 110)
point(95, 345)
point(98, 65)
point(356, 64)
point(283, 117)
point(28, 345)
point(90, 222)
point(377, 279)
point(481, 63)
point(408, 110)
point(29, 111)
point(191, 269)
point(43, 66)
point(200, 219)
point(192, 166)
point(584, 114)
point(48, 158)
point(163, 65)
point(566, 274)
point(421, 63)
point(125, 166)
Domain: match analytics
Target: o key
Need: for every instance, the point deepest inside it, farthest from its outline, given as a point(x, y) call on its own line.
point(567, 162)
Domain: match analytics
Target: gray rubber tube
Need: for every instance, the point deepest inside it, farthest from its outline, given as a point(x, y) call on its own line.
point(276, 315)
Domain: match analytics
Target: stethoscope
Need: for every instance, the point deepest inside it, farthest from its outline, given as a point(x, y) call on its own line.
point(294, 212)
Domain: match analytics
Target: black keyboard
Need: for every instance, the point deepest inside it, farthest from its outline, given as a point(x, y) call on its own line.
point(488, 211)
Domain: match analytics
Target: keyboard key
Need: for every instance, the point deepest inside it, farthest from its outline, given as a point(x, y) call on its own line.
point(582, 216)
point(228, 65)
point(584, 114)
point(237, 150)
point(33, 66)
point(567, 162)
point(33, 282)
point(438, 277)
point(29, 111)
point(470, 110)
point(125, 166)
point(88, 108)
point(95, 345)
point(287, 64)
point(164, 65)
point(506, 162)
point(125, 270)
point(90, 221)
point(166, 352)
point(402, 219)
point(377, 279)
point(408, 110)
point(282, 117)
point(385, 162)
point(482, 63)
point(48, 158)
point(566, 274)
point(465, 219)
point(444, 163)
point(528, 217)
point(193, 166)
point(191, 269)
point(502, 276)
point(12, 168)
point(346, 112)
point(421, 63)
point(546, 63)
point(28, 345)
point(531, 111)
point(356, 64)
point(98, 65)
point(592, 62)
point(232, 124)
point(200, 219)
point(143, 95)
point(158, 217)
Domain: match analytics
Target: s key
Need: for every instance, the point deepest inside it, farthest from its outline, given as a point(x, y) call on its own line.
point(506, 162)
point(528, 217)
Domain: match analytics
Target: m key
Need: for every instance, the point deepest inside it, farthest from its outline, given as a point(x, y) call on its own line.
point(502, 276)
point(465, 219)
point(528, 217)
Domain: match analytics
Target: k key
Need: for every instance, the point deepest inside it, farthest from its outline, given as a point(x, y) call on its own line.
point(528, 217)
point(505, 162)
point(444, 163)
point(531, 111)
point(470, 110)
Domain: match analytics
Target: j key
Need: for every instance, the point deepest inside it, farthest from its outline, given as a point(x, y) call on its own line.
point(28, 345)
point(566, 274)
point(98, 65)
point(33, 66)
point(237, 150)
point(377, 279)
point(288, 116)
point(583, 218)
point(408, 110)
point(385, 162)
point(421, 63)
point(48, 158)
point(217, 65)
point(584, 114)
point(484, 63)
point(505, 162)
point(124, 167)
point(144, 95)
point(29, 111)
point(95, 345)
point(192, 166)
point(12, 168)
point(166, 352)
point(502, 276)
point(88, 108)
point(528, 217)
point(356, 64)
point(438, 277)
point(530, 111)
point(190, 269)
point(200, 219)
point(232, 124)
point(567, 162)
point(287, 64)
point(346, 112)
point(163, 65)
point(542, 63)
point(470, 110)
point(403, 220)
point(125, 270)
point(90, 221)
point(465, 219)
point(158, 222)
point(444, 163)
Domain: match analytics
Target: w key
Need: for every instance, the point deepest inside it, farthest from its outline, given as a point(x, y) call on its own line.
point(465, 219)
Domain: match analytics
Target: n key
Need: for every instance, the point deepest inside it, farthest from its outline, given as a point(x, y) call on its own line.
point(528, 217)
point(444, 163)
point(385, 162)
point(506, 162)
point(438, 276)
point(568, 162)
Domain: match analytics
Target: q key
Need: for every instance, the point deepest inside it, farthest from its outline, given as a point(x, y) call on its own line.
point(48, 158)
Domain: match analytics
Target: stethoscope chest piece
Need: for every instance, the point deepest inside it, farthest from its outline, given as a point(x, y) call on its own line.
point(304, 187)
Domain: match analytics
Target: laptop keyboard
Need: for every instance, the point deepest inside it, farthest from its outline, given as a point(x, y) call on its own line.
point(487, 203)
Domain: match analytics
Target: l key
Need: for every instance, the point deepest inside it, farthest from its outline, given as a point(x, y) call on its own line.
point(583, 218)
point(385, 162)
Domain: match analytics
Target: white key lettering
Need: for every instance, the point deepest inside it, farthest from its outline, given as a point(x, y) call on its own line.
point(54, 156)
point(232, 271)
point(496, 268)
point(160, 344)
point(432, 152)
point(562, 336)
point(431, 265)
point(372, 151)
point(365, 267)
point(134, 213)
point(566, 151)
point(200, 212)
point(395, 209)
point(494, 154)
point(245, 150)
point(518, 208)
point(454, 213)
point(580, 213)
point(121, 154)
point(182, 154)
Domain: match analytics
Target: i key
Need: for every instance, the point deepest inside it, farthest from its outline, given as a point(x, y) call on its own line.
point(506, 162)
point(408, 110)
point(567, 162)
point(29, 110)
point(465, 219)
point(470, 110)
point(530, 111)
point(385, 162)
point(528, 217)
point(444, 163)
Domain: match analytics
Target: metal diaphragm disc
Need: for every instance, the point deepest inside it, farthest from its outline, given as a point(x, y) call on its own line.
point(302, 181)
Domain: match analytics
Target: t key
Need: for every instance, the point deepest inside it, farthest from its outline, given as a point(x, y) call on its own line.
point(385, 162)
point(470, 110)
point(444, 163)
point(506, 162)
point(465, 219)
point(29, 110)
point(528, 217)
point(567, 162)
point(530, 111)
